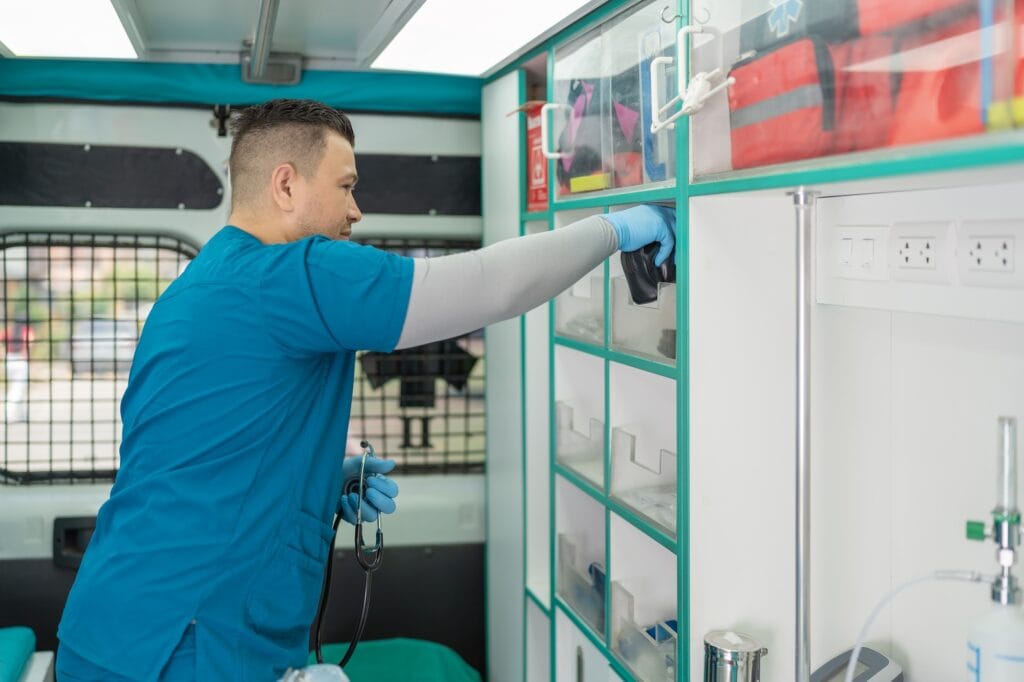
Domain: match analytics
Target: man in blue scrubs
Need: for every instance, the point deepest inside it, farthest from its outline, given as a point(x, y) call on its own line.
point(208, 558)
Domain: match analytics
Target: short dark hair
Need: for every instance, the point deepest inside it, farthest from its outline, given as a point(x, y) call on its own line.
point(280, 131)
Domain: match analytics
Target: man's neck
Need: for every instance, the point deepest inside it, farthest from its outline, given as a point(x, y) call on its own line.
point(259, 227)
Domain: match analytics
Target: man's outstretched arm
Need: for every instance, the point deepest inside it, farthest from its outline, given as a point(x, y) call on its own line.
point(456, 294)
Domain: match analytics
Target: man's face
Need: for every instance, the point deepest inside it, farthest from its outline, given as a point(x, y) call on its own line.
point(328, 205)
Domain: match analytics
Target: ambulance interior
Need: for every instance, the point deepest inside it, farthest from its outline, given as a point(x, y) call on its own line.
point(789, 453)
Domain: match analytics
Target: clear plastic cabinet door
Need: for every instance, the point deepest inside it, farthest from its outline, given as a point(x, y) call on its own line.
point(602, 105)
point(807, 79)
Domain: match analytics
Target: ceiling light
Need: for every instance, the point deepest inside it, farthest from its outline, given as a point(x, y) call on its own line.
point(63, 28)
point(468, 37)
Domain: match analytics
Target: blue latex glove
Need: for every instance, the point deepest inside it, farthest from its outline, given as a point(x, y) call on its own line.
point(381, 491)
point(639, 226)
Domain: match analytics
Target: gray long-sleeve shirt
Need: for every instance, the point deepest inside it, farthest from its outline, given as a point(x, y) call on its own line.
point(453, 295)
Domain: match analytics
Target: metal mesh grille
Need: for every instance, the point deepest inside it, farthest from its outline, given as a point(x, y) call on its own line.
point(423, 407)
point(73, 306)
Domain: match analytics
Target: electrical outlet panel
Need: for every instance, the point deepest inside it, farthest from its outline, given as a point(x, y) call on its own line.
point(987, 253)
point(921, 252)
point(955, 251)
point(915, 253)
point(991, 254)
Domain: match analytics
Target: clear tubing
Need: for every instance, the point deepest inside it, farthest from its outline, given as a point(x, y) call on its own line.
point(1008, 464)
point(967, 576)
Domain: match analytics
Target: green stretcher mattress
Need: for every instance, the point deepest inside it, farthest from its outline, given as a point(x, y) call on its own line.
point(401, 660)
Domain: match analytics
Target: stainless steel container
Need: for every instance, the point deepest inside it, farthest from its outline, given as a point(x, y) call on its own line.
point(732, 657)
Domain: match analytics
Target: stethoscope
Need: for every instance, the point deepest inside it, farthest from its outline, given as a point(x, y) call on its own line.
point(369, 558)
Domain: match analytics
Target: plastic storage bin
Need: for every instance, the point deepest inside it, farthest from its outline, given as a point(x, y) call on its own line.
point(643, 628)
point(648, 649)
point(583, 452)
point(580, 578)
point(642, 408)
point(579, 413)
point(644, 329)
point(582, 588)
point(579, 310)
point(651, 491)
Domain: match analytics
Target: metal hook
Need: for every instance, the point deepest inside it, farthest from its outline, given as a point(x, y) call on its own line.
point(707, 16)
point(672, 19)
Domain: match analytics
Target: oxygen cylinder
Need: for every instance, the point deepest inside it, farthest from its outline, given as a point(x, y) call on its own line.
point(995, 645)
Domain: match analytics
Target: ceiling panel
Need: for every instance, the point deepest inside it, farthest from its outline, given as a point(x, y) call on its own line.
point(317, 29)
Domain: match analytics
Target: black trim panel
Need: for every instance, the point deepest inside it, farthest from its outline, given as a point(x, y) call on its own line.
point(105, 176)
point(418, 185)
point(424, 592)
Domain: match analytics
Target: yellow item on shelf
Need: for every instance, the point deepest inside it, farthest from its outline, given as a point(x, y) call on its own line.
point(1000, 116)
point(589, 183)
point(1017, 111)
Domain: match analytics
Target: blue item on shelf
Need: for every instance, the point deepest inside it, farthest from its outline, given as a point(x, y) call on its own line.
point(654, 164)
point(596, 572)
point(666, 629)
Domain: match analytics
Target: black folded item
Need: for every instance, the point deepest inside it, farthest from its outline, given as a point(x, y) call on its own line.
point(418, 370)
point(643, 276)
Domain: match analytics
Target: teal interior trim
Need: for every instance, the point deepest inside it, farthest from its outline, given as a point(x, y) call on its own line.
point(994, 149)
point(582, 25)
point(594, 637)
point(606, 454)
point(173, 83)
point(580, 482)
point(536, 216)
point(576, 344)
point(616, 198)
point(537, 601)
point(651, 366)
point(608, 568)
point(683, 667)
point(612, 659)
point(642, 523)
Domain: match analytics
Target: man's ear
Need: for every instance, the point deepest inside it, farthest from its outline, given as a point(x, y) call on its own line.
point(282, 186)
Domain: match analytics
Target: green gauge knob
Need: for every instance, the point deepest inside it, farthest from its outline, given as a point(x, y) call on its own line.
point(976, 530)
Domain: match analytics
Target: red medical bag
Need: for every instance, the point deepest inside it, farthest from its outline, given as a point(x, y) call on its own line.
point(779, 21)
point(1018, 57)
point(864, 93)
point(781, 107)
point(934, 102)
point(877, 16)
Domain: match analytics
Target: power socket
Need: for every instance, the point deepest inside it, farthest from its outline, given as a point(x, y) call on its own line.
point(991, 254)
point(916, 253)
point(987, 253)
point(921, 252)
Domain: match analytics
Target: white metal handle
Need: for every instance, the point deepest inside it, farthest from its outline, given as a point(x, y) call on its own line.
point(682, 79)
point(545, 150)
point(656, 107)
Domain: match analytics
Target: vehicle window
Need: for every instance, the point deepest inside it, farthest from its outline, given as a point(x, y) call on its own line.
point(73, 306)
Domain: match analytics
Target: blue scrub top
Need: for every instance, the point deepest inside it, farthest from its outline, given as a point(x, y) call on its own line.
point(235, 421)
